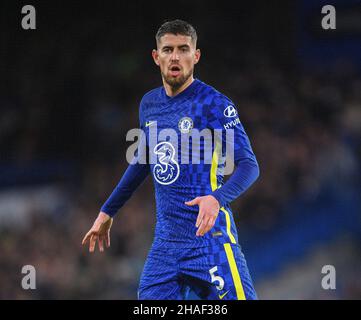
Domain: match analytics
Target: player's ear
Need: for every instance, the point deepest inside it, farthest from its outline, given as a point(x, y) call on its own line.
point(155, 57)
point(197, 56)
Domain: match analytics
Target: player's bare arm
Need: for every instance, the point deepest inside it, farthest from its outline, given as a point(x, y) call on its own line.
point(100, 231)
point(208, 213)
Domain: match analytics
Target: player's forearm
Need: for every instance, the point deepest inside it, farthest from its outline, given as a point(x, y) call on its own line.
point(245, 174)
point(132, 178)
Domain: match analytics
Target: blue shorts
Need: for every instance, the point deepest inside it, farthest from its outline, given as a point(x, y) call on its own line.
point(217, 272)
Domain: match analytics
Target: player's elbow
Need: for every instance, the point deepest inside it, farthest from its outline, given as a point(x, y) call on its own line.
point(249, 169)
point(256, 171)
point(253, 169)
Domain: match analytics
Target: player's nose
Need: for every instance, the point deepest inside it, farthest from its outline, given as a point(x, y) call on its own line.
point(175, 56)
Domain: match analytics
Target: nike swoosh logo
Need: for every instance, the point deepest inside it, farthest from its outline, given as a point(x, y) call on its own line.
point(149, 123)
point(221, 296)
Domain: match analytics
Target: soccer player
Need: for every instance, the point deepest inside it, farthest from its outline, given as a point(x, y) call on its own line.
point(195, 243)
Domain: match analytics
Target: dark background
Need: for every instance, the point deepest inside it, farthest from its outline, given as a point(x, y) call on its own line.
point(70, 91)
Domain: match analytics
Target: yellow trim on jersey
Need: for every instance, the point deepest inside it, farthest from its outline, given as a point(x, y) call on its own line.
point(214, 168)
point(213, 179)
point(228, 222)
point(234, 271)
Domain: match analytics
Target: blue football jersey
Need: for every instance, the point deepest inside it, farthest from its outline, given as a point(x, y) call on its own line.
point(178, 176)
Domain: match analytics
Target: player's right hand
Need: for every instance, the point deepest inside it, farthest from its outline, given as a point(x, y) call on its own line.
point(100, 231)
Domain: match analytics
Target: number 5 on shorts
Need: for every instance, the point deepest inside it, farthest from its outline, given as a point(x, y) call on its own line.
point(216, 278)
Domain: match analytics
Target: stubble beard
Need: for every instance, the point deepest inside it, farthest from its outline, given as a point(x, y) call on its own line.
point(177, 82)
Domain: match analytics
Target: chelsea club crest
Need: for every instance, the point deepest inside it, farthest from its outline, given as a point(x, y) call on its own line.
point(185, 125)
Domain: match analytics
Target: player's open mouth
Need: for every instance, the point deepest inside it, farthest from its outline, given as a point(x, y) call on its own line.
point(175, 71)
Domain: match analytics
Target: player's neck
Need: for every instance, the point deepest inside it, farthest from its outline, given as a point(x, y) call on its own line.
point(172, 92)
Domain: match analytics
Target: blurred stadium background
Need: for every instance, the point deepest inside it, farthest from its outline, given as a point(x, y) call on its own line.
point(70, 92)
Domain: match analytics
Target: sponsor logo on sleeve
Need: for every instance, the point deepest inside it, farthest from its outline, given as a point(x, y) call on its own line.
point(230, 112)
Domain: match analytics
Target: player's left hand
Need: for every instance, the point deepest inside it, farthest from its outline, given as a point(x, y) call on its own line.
point(208, 213)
